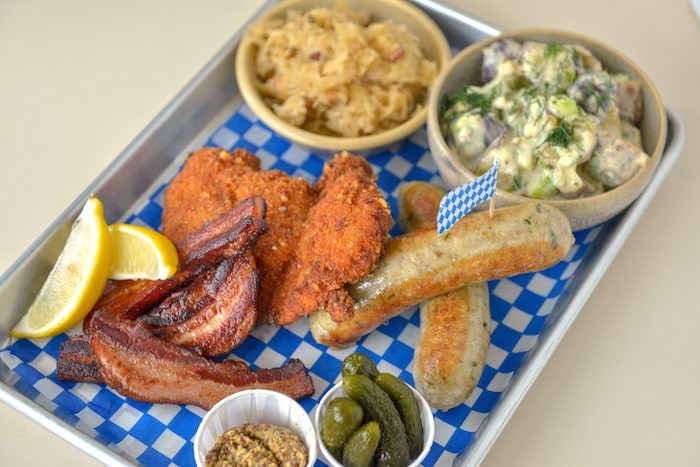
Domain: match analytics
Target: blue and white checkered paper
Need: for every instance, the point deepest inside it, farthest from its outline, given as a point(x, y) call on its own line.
point(460, 201)
point(162, 434)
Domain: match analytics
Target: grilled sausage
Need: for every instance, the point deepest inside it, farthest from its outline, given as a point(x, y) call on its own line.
point(454, 327)
point(420, 265)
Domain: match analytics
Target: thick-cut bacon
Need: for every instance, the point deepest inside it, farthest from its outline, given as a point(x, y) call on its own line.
point(131, 298)
point(76, 361)
point(228, 236)
point(143, 367)
point(184, 303)
point(225, 236)
point(222, 324)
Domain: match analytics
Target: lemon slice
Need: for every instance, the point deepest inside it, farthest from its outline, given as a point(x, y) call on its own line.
point(76, 280)
point(141, 253)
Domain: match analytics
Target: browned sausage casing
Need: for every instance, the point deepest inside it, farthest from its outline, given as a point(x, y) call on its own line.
point(420, 265)
point(454, 327)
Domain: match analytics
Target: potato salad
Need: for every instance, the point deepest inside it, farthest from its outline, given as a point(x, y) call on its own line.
point(560, 125)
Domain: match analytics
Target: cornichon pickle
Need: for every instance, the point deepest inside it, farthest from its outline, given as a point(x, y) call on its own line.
point(361, 446)
point(378, 407)
point(359, 364)
point(341, 419)
point(409, 410)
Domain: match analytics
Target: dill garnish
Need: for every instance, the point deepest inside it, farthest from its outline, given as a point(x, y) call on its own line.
point(474, 99)
point(517, 182)
point(552, 49)
point(561, 135)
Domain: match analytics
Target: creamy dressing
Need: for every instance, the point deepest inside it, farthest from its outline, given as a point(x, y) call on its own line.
point(561, 126)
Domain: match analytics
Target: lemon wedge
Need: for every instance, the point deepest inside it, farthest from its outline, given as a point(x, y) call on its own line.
point(76, 280)
point(141, 253)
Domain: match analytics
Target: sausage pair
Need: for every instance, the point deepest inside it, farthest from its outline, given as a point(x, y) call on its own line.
point(419, 265)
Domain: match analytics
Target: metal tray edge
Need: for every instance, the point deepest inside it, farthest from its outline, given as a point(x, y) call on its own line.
point(485, 437)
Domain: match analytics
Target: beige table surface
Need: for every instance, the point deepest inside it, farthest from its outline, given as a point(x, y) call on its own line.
point(79, 80)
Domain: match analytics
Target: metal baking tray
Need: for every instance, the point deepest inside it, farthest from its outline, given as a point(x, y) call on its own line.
point(189, 120)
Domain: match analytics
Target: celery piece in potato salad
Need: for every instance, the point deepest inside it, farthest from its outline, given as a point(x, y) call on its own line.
point(561, 126)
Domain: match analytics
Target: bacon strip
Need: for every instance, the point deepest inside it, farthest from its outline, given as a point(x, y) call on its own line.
point(76, 361)
point(229, 312)
point(228, 236)
point(184, 303)
point(222, 236)
point(139, 365)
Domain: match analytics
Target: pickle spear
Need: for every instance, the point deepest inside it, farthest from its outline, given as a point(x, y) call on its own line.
point(392, 450)
point(407, 405)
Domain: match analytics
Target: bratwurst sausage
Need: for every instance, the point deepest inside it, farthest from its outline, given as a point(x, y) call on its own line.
point(420, 265)
point(454, 327)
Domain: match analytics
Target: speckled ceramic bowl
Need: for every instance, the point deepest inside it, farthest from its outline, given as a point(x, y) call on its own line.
point(432, 41)
point(337, 391)
point(583, 212)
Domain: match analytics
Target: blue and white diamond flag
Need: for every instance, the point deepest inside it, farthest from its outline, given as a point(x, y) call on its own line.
point(462, 200)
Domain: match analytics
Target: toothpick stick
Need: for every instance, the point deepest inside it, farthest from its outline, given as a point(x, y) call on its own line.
point(492, 206)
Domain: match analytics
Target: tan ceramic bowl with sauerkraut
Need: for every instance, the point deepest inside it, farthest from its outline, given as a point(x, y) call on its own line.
point(583, 211)
point(255, 88)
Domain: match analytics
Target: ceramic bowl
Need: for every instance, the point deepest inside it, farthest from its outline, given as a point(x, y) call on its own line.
point(434, 46)
point(254, 406)
point(336, 391)
point(585, 212)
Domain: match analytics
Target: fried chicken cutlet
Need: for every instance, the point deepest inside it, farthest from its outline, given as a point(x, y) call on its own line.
point(212, 181)
point(340, 243)
point(319, 237)
point(202, 190)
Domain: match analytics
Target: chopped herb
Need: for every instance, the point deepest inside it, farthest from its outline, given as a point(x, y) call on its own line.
point(529, 91)
point(577, 58)
point(561, 135)
point(552, 49)
point(528, 221)
point(601, 97)
point(474, 99)
point(592, 91)
point(553, 240)
point(517, 182)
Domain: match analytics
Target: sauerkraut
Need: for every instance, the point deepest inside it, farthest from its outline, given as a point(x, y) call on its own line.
point(335, 72)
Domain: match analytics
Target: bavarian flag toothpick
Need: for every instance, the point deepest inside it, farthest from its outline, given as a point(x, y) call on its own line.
point(462, 200)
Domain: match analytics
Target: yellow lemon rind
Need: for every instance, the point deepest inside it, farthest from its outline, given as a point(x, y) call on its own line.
point(91, 285)
point(163, 250)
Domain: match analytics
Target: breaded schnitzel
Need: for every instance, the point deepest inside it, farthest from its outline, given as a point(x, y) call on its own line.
point(341, 242)
point(319, 237)
point(212, 181)
point(202, 190)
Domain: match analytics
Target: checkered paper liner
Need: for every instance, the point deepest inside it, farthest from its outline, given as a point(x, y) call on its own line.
point(162, 434)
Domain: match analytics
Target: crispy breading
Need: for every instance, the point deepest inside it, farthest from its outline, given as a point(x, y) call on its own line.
point(201, 191)
point(341, 242)
point(213, 181)
point(288, 202)
point(319, 238)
